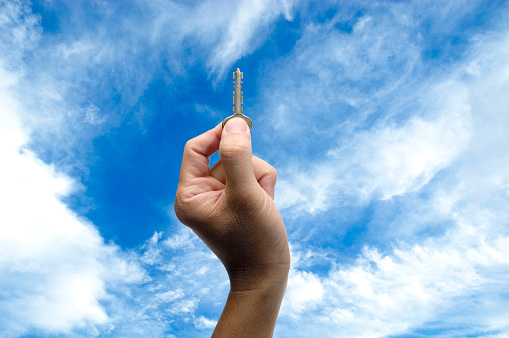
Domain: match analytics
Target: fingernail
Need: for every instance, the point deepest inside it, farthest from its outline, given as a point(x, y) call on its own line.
point(236, 125)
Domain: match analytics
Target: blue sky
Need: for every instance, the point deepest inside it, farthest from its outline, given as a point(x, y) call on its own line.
point(386, 120)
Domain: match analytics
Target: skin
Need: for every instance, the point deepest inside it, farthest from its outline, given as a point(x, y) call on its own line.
point(231, 208)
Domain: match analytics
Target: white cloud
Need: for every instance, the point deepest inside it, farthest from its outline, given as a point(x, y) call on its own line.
point(391, 294)
point(303, 293)
point(181, 240)
point(386, 161)
point(202, 323)
point(223, 31)
point(444, 280)
point(169, 296)
point(367, 122)
point(454, 278)
point(152, 254)
point(54, 266)
point(392, 160)
point(183, 277)
point(246, 30)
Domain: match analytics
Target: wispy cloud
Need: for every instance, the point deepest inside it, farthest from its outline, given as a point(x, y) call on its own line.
point(390, 294)
point(89, 80)
point(369, 112)
point(384, 161)
point(450, 279)
point(186, 285)
point(444, 162)
point(248, 26)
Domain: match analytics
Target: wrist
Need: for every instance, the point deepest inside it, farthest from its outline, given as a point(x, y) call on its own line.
point(252, 309)
point(273, 278)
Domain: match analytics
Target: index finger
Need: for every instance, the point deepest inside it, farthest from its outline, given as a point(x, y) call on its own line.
point(195, 162)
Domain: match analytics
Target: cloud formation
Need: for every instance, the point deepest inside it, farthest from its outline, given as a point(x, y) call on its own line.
point(443, 165)
point(387, 122)
point(54, 266)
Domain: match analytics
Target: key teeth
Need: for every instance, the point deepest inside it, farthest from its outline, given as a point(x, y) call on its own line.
point(237, 106)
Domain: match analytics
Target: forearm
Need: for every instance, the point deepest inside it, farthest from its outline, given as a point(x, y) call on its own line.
point(251, 313)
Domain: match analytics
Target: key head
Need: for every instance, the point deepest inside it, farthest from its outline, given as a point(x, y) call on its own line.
point(242, 116)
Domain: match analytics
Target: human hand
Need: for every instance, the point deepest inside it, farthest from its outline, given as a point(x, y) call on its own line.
point(230, 206)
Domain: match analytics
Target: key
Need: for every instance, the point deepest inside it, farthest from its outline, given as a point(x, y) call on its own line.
point(238, 100)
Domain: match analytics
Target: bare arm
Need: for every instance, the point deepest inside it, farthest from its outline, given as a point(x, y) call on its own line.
point(230, 207)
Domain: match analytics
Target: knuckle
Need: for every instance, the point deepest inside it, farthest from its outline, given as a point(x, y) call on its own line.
point(184, 209)
point(189, 146)
point(234, 145)
point(232, 150)
point(272, 173)
point(269, 174)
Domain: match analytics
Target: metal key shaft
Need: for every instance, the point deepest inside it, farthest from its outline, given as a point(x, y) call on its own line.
point(238, 100)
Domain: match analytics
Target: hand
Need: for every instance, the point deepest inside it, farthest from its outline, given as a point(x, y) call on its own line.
point(230, 207)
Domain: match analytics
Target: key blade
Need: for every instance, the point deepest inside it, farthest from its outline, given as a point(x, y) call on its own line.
point(238, 100)
point(237, 94)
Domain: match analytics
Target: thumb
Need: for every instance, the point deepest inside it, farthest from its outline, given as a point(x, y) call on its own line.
point(235, 152)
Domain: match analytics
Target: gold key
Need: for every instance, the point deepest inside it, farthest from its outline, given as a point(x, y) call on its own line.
point(238, 100)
